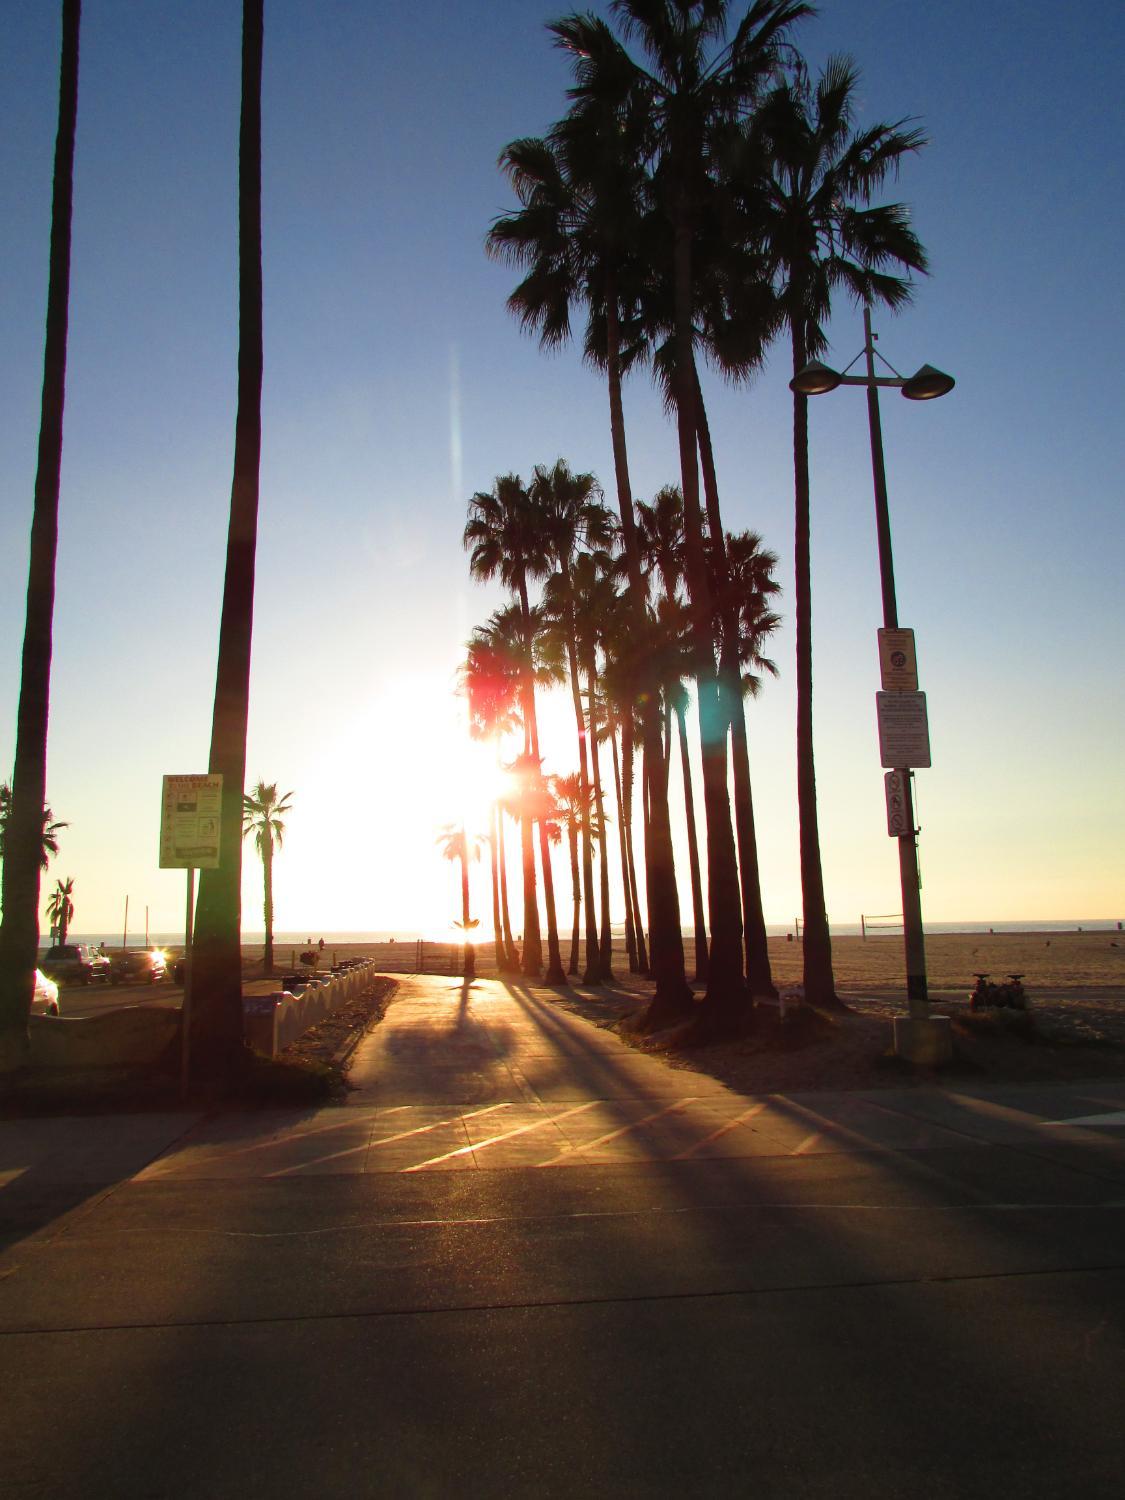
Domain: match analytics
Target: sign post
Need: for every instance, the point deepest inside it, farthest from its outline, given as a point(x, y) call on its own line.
point(189, 840)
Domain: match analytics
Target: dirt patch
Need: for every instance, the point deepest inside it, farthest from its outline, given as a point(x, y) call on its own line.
point(333, 1041)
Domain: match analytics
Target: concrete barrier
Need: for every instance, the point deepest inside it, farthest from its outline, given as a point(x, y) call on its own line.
point(274, 1021)
point(136, 1034)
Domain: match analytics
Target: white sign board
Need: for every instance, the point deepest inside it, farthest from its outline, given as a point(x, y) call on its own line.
point(904, 731)
point(894, 784)
point(898, 665)
point(190, 813)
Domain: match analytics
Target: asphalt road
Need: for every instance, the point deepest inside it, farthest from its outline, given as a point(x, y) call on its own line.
point(256, 1306)
point(91, 999)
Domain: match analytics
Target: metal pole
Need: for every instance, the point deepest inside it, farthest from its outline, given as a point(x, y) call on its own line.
point(185, 1006)
point(125, 933)
point(916, 989)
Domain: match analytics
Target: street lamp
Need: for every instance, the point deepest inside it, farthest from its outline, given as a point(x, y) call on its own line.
point(817, 379)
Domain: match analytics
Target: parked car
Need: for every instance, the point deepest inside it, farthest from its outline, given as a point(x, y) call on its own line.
point(144, 964)
point(77, 961)
point(45, 1001)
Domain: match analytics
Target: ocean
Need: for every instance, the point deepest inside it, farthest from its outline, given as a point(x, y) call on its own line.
point(774, 929)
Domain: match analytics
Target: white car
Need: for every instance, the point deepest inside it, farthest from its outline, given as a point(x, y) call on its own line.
point(45, 1001)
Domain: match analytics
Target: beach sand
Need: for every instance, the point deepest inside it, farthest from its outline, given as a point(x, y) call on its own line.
point(1053, 962)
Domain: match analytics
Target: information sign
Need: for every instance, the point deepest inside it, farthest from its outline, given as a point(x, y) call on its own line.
point(894, 783)
point(190, 814)
point(904, 731)
point(898, 665)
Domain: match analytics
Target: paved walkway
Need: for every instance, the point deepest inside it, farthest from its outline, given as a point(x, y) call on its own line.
point(492, 1076)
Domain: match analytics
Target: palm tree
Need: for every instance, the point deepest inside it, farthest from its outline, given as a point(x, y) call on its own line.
point(262, 815)
point(490, 681)
point(504, 543)
point(697, 82)
point(812, 206)
point(573, 803)
point(456, 844)
point(743, 585)
point(571, 519)
point(576, 230)
point(49, 837)
point(19, 927)
point(60, 908)
point(217, 1031)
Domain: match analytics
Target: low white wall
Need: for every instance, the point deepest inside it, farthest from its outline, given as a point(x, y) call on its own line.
point(274, 1021)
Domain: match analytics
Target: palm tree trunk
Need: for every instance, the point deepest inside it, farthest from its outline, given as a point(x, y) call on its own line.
point(532, 943)
point(511, 957)
point(217, 1032)
point(693, 854)
point(470, 947)
point(593, 971)
point(630, 925)
point(267, 903)
point(672, 998)
point(497, 931)
point(555, 974)
point(730, 682)
point(603, 840)
point(725, 1002)
point(19, 928)
point(572, 840)
point(820, 985)
point(627, 754)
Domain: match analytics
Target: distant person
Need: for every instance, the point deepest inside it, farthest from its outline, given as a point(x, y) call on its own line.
point(320, 945)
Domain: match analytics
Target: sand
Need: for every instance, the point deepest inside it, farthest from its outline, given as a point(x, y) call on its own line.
point(1057, 962)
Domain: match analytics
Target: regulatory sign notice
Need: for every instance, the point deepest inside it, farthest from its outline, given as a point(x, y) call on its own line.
point(190, 812)
point(894, 784)
point(904, 731)
point(898, 664)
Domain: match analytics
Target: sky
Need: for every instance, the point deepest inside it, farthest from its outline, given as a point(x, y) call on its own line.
point(396, 385)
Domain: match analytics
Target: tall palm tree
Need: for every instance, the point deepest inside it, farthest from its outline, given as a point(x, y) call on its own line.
point(575, 231)
point(49, 836)
point(456, 844)
point(571, 519)
point(807, 180)
point(696, 82)
point(217, 1030)
point(660, 527)
point(19, 927)
point(263, 815)
point(60, 908)
point(503, 542)
point(596, 607)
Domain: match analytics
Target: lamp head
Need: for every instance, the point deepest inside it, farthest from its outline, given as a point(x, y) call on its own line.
point(927, 384)
point(815, 379)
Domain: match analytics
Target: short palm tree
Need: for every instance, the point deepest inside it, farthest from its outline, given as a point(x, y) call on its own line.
point(456, 844)
point(19, 927)
point(490, 681)
point(60, 908)
point(49, 837)
point(808, 180)
point(263, 813)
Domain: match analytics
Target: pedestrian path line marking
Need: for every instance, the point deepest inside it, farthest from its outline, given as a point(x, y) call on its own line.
point(158, 1167)
point(386, 1140)
point(809, 1140)
point(1115, 1117)
point(506, 1136)
point(747, 1114)
point(624, 1130)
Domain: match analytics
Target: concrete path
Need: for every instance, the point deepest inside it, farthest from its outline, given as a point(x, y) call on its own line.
point(526, 1260)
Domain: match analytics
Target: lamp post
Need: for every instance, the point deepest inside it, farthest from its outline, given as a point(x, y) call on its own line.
point(817, 379)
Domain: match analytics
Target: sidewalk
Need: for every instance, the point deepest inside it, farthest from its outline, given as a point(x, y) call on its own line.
point(497, 1076)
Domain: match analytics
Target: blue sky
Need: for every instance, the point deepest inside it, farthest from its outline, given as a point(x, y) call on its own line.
point(383, 318)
